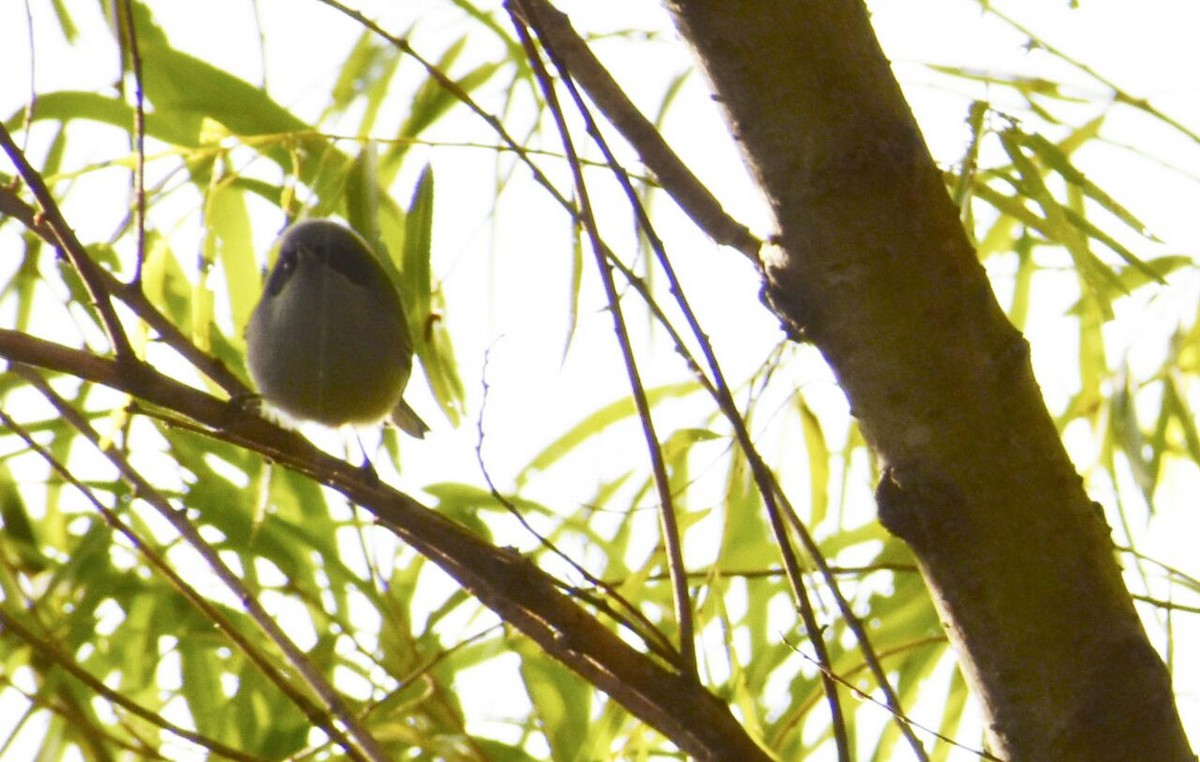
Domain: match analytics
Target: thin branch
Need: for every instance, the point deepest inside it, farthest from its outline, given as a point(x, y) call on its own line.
point(632, 617)
point(851, 619)
point(94, 742)
point(68, 244)
point(136, 300)
point(725, 399)
point(1120, 95)
point(556, 33)
point(139, 134)
point(444, 81)
point(905, 719)
point(766, 482)
point(691, 195)
point(671, 536)
point(31, 104)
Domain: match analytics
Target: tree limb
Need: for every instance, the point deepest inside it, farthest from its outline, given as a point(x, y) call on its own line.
point(511, 585)
point(874, 267)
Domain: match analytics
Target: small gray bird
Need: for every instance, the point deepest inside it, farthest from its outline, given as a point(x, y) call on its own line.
point(328, 341)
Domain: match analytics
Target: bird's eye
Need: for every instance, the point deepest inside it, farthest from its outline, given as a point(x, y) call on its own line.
point(282, 272)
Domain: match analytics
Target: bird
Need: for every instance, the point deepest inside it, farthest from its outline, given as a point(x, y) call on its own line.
point(328, 340)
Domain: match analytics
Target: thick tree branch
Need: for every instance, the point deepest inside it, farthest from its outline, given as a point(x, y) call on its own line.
point(874, 267)
point(520, 593)
point(556, 33)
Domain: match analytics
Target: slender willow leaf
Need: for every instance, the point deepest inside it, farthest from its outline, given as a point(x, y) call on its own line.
point(1126, 433)
point(818, 463)
point(596, 422)
point(1059, 161)
point(561, 702)
point(228, 222)
point(1056, 225)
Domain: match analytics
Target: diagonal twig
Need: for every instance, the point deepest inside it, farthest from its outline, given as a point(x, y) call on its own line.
point(525, 597)
point(670, 525)
point(129, 35)
point(697, 201)
point(778, 507)
point(68, 244)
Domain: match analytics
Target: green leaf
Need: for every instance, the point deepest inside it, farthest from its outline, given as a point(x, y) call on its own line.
point(597, 422)
point(426, 306)
point(1130, 279)
point(1127, 433)
point(19, 537)
point(229, 225)
point(966, 178)
point(1018, 312)
point(415, 268)
point(1056, 224)
point(1058, 160)
point(432, 101)
point(165, 284)
point(363, 207)
point(69, 31)
point(745, 538)
point(365, 79)
point(818, 462)
point(186, 93)
point(561, 701)
point(1184, 417)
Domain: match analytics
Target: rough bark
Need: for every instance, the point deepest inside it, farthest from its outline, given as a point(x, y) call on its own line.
point(874, 267)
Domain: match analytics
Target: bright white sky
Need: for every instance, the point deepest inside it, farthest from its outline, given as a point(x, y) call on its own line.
point(1148, 48)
